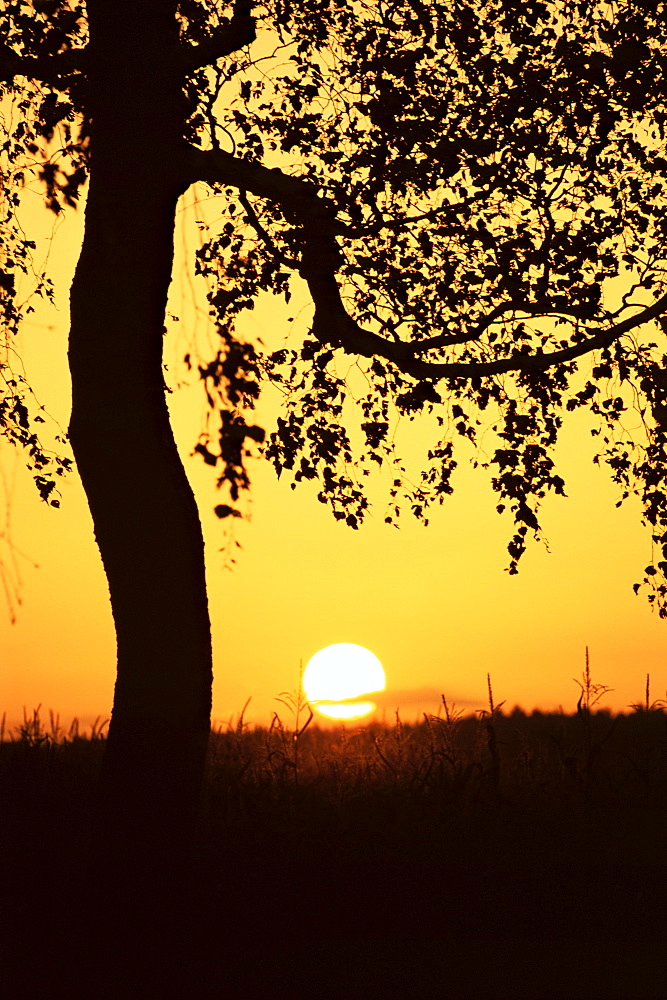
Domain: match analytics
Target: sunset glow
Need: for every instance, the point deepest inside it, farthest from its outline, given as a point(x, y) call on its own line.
point(435, 603)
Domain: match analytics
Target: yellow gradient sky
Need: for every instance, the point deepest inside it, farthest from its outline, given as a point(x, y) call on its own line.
point(434, 604)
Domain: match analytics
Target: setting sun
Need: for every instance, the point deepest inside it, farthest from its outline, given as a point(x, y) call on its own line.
point(340, 674)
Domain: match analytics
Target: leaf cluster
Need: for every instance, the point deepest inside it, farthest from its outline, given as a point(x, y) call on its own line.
point(496, 174)
point(471, 196)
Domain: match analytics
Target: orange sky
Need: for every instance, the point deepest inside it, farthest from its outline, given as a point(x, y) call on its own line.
point(434, 604)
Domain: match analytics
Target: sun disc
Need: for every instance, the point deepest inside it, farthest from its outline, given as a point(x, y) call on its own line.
point(357, 710)
point(340, 673)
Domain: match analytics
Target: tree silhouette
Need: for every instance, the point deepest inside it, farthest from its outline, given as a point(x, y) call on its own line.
point(473, 197)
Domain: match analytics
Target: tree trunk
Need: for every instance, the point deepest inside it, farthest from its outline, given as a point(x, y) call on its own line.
point(144, 513)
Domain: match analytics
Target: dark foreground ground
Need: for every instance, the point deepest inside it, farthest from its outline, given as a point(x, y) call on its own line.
point(503, 856)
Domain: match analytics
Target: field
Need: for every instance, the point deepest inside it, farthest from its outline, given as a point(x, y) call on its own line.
point(488, 855)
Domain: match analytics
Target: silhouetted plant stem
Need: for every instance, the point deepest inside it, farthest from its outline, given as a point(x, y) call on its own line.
point(489, 716)
point(297, 704)
point(590, 695)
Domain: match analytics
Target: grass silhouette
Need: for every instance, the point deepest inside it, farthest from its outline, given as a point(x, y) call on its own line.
point(503, 853)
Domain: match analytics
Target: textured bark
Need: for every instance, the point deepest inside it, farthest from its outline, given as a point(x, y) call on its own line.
point(144, 513)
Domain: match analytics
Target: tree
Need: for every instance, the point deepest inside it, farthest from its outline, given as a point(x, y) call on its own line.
point(473, 196)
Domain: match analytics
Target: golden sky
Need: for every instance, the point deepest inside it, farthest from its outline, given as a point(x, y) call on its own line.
point(434, 604)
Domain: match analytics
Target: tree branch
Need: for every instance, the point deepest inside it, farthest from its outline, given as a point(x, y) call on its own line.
point(450, 339)
point(445, 210)
point(262, 233)
point(299, 197)
point(228, 38)
point(215, 166)
point(333, 325)
point(49, 69)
